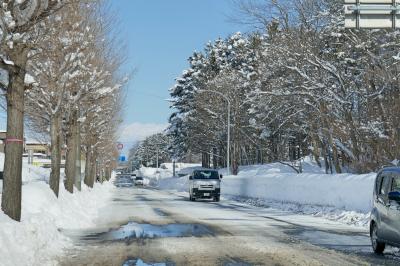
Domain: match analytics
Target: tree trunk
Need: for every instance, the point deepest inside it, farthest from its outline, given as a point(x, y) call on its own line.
point(102, 173)
point(78, 177)
point(336, 160)
point(205, 162)
point(108, 173)
point(353, 135)
point(88, 168)
point(93, 169)
point(315, 149)
point(324, 155)
point(12, 183)
point(214, 158)
point(235, 159)
point(55, 135)
point(70, 162)
point(334, 154)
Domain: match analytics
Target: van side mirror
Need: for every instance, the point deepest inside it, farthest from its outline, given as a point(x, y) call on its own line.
point(221, 176)
point(394, 196)
point(190, 177)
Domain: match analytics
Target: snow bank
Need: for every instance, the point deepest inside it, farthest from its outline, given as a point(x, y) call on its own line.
point(38, 238)
point(345, 197)
point(166, 170)
point(178, 166)
point(155, 173)
point(344, 191)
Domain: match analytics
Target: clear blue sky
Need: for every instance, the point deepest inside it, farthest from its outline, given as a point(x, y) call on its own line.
point(161, 35)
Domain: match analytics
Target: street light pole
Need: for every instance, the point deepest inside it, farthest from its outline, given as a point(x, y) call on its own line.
point(229, 139)
point(228, 125)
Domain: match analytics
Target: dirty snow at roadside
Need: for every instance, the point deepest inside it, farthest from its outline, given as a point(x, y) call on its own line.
point(311, 193)
point(38, 239)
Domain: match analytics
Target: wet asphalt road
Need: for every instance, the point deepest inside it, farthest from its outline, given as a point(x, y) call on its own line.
point(151, 226)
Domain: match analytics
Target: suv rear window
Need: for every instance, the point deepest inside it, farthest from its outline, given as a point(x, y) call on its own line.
point(139, 178)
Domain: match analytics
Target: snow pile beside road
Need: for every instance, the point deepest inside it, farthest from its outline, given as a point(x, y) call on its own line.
point(327, 212)
point(343, 191)
point(38, 238)
point(155, 173)
point(342, 197)
point(178, 166)
point(166, 170)
point(180, 184)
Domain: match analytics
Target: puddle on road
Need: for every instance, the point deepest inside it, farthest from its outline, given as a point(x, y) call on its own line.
point(235, 262)
point(132, 231)
point(139, 262)
point(160, 212)
point(226, 262)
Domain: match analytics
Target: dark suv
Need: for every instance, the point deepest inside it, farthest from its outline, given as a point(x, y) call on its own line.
point(385, 215)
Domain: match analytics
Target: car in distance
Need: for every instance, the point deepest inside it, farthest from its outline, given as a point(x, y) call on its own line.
point(385, 215)
point(139, 181)
point(205, 183)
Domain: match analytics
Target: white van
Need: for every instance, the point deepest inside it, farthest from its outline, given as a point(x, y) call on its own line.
point(205, 183)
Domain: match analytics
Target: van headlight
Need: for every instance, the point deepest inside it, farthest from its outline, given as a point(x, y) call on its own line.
point(217, 184)
point(196, 184)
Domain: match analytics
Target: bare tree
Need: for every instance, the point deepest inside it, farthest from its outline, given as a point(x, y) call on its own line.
point(20, 23)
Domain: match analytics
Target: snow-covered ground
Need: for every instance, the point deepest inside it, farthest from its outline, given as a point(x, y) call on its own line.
point(340, 197)
point(38, 238)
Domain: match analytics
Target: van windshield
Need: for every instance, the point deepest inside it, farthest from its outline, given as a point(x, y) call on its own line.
point(206, 174)
point(139, 178)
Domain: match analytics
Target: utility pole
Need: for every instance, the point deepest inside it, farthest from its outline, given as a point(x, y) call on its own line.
point(229, 136)
point(157, 158)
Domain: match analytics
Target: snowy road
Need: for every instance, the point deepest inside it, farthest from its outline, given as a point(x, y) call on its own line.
point(142, 224)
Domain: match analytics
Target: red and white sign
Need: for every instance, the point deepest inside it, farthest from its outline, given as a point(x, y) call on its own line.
point(120, 146)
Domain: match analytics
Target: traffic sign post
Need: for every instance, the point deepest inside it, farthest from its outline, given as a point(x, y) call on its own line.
point(372, 14)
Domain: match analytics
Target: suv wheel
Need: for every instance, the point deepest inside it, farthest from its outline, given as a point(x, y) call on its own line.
point(377, 246)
